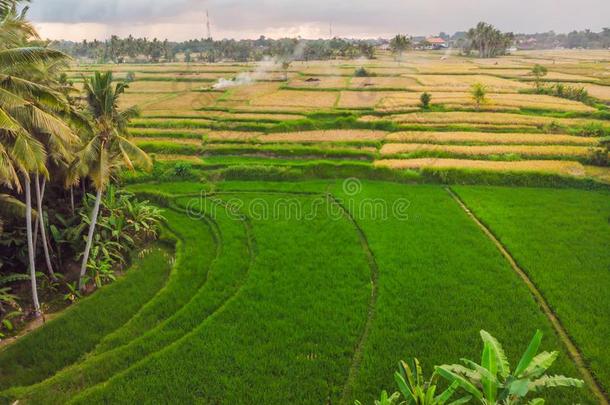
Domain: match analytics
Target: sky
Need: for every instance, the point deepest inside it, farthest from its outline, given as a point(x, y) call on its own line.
point(185, 19)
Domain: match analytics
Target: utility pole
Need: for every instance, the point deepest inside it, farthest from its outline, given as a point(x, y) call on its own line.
point(330, 30)
point(209, 30)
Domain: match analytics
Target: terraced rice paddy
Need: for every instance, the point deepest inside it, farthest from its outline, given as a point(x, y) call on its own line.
point(310, 292)
point(229, 326)
point(539, 166)
point(487, 150)
point(324, 102)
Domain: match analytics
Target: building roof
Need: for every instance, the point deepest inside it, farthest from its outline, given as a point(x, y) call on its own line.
point(435, 40)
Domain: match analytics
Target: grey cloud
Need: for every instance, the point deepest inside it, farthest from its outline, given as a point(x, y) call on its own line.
point(355, 16)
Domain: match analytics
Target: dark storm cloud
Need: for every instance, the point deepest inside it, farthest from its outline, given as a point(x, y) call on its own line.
point(350, 17)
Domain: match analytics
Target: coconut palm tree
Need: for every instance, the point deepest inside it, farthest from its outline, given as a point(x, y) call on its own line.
point(108, 147)
point(27, 110)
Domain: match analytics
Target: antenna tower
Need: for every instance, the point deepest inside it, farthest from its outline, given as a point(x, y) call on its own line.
point(207, 24)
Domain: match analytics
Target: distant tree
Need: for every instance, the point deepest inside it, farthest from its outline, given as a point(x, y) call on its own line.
point(285, 66)
point(488, 41)
point(479, 94)
point(539, 71)
point(425, 99)
point(399, 44)
point(367, 50)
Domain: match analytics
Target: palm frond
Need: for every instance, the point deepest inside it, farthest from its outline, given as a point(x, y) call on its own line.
point(28, 55)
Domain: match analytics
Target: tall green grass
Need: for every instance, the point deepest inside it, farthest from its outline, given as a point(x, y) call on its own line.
point(297, 318)
point(209, 283)
point(64, 340)
point(561, 238)
point(440, 281)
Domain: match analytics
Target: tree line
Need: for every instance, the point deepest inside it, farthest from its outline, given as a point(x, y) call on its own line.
point(119, 50)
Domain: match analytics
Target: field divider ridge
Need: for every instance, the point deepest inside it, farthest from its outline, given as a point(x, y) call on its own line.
point(374, 268)
point(572, 349)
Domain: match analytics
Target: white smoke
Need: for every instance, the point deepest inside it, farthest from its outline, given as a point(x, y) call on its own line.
point(239, 80)
point(245, 78)
point(262, 70)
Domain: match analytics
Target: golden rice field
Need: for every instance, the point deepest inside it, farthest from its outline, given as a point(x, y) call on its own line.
point(464, 117)
point(305, 99)
point(486, 150)
point(320, 82)
point(493, 102)
point(544, 166)
point(383, 82)
point(489, 138)
point(464, 82)
point(182, 102)
point(322, 104)
point(337, 135)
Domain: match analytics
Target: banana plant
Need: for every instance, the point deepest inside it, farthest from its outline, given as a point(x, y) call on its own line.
point(385, 399)
point(417, 391)
point(492, 381)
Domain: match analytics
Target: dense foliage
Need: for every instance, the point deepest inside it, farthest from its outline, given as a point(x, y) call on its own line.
point(118, 49)
point(51, 142)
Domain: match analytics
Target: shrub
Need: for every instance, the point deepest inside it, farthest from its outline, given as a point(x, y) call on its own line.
point(593, 129)
point(362, 72)
point(539, 71)
point(123, 223)
point(493, 382)
point(564, 91)
point(598, 157)
point(553, 127)
point(479, 94)
point(182, 169)
point(425, 99)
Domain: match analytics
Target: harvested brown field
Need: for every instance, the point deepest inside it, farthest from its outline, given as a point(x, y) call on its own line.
point(458, 117)
point(495, 102)
point(297, 98)
point(139, 99)
point(165, 87)
point(178, 141)
point(326, 136)
point(178, 158)
point(184, 102)
point(219, 115)
point(161, 133)
point(362, 99)
point(483, 150)
point(541, 166)
point(327, 70)
point(490, 138)
point(382, 82)
point(320, 82)
point(463, 82)
point(244, 94)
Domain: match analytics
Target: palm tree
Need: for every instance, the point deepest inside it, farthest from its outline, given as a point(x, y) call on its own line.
point(27, 109)
point(399, 44)
point(108, 147)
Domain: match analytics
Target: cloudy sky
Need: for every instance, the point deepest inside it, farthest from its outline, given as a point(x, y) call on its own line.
point(184, 19)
